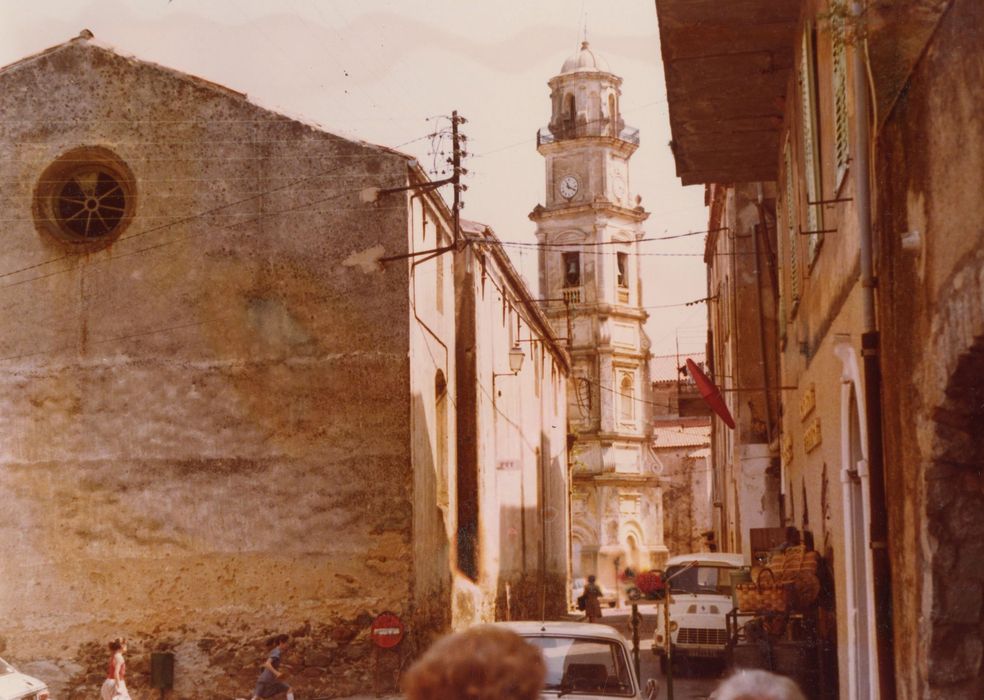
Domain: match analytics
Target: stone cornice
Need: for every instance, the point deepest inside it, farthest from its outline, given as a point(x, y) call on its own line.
point(567, 211)
point(617, 479)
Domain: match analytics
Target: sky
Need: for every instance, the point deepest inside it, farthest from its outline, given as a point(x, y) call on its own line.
point(386, 71)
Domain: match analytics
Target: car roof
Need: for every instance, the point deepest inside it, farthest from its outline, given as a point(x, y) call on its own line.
point(710, 558)
point(568, 629)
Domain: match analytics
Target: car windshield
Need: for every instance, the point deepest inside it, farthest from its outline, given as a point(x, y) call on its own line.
point(700, 579)
point(6, 668)
point(579, 665)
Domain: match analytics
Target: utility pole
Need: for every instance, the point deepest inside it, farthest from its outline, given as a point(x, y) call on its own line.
point(457, 152)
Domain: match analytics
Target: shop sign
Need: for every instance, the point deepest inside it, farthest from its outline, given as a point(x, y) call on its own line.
point(787, 448)
point(808, 401)
point(812, 437)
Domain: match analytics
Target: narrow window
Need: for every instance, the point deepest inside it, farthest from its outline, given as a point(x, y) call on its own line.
point(439, 276)
point(572, 269)
point(622, 259)
point(570, 114)
point(627, 398)
point(441, 425)
point(613, 114)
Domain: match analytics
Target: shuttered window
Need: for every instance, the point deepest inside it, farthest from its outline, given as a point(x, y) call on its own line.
point(792, 232)
point(842, 141)
point(781, 216)
point(811, 151)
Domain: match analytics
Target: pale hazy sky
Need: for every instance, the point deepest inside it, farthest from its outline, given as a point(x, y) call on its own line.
point(377, 69)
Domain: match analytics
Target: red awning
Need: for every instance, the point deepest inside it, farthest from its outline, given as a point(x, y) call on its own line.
point(710, 393)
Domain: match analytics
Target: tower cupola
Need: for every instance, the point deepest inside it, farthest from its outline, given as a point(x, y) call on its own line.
point(584, 97)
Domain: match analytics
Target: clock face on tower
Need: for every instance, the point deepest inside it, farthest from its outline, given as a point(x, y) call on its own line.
point(568, 186)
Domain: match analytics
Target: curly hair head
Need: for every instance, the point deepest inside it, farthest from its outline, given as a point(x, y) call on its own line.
point(482, 663)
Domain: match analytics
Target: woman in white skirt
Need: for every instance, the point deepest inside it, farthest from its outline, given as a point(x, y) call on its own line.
point(114, 687)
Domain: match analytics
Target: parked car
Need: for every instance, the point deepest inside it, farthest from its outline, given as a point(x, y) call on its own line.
point(15, 685)
point(699, 598)
point(584, 660)
point(577, 590)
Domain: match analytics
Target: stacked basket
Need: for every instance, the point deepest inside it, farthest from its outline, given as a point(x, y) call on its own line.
point(788, 582)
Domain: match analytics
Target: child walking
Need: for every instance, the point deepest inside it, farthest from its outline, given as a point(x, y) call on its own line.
point(269, 684)
point(114, 687)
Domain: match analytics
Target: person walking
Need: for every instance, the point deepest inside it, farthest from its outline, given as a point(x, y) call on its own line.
point(269, 683)
point(592, 600)
point(114, 687)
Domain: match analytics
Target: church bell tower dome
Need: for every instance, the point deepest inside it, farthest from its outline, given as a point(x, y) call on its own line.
point(585, 60)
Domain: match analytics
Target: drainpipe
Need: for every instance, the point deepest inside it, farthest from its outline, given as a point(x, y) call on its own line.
point(766, 381)
point(881, 567)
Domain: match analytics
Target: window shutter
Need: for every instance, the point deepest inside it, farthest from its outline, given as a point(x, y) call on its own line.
point(842, 141)
point(783, 216)
point(792, 233)
point(808, 118)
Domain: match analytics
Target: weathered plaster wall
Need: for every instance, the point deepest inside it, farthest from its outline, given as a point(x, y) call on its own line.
point(521, 450)
point(931, 155)
point(200, 444)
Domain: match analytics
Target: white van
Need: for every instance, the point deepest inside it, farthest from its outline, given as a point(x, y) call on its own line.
point(699, 596)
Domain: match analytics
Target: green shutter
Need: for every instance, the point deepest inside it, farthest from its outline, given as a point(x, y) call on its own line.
point(792, 232)
point(811, 164)
point(842, 139)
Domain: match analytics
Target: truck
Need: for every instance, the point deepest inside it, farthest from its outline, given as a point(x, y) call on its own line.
point(697, 589)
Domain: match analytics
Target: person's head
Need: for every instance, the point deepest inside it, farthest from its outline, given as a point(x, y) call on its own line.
point(482, 663)
point(792, 536)
point(118, 644)
point(748, 684)
point(591, 578)
point(278, 640)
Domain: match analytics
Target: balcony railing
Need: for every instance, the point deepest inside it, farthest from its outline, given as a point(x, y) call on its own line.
point(572, 296)
point(546, 134)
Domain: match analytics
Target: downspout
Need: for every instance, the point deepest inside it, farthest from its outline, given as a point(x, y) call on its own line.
point(881, 567)
point(766, 382)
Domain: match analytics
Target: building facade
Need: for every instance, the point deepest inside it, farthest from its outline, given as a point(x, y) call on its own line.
point(588, 229)
point(681, 443)
point(231, 389)
point(867, 126)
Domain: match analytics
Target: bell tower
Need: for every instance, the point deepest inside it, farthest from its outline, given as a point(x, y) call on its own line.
point(588, 229)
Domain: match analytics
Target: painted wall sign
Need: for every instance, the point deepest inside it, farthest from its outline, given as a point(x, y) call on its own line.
point(812, 437)
point(787, 448)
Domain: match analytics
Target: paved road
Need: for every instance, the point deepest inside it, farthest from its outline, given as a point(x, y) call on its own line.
point(696, 684)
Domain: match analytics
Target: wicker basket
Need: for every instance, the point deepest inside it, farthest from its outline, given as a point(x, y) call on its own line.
point(766, 594)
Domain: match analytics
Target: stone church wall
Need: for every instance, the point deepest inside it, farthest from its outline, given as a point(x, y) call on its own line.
point(199, 444)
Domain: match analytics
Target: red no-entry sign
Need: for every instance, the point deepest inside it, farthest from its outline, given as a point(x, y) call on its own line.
point(387, 630)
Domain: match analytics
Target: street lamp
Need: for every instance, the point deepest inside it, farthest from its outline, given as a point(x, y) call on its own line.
point(516, 357)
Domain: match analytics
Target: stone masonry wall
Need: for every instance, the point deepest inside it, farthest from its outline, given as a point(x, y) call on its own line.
point(199, 441)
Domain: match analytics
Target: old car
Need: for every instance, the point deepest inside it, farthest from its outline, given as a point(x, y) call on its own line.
point(584, 661)
point(15, 685)
point(699, 598)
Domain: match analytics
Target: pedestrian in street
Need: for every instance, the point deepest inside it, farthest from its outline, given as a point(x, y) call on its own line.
point(592, 600)
point(749, 684)
point(114, 687)
point(481, 663)
point(269, 684)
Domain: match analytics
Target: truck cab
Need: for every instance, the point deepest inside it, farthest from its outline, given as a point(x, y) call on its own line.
point(698, 593)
